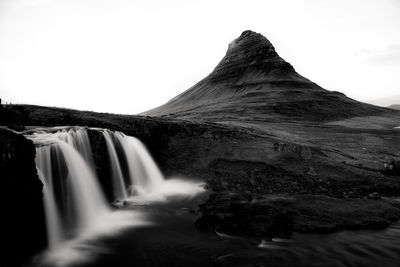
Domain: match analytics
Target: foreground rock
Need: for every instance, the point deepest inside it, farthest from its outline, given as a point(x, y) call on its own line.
point(23, 231)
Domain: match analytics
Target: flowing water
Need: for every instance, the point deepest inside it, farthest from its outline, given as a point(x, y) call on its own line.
point(72, 196)
point(119, 185)
point(152, 227)
point(77, 212)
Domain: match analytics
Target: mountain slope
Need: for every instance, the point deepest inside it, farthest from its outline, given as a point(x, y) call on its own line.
point(394, 106)
point(252, 82)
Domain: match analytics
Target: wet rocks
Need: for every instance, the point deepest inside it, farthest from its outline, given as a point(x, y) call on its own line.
point(374, 196)
point(102, 162)
point(310, 171)
point(392, 167)
point(23, 230)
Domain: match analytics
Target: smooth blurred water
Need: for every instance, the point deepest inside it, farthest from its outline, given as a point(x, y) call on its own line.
point(77, 214)
point(119, 185)
point(347, 248)
point(73, 199)
point(171, 239)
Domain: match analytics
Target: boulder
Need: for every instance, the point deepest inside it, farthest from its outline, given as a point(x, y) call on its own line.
point(392, 167)
point(302, 152)
point(374, 195)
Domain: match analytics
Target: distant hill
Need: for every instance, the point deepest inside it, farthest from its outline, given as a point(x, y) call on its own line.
point(252, 82)
point(395, 106)
point(386, 101)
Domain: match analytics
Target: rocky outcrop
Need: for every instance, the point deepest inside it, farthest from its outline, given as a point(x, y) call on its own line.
point(23, 231)
point(301, 152)
point(8, 116)
point(252, 82)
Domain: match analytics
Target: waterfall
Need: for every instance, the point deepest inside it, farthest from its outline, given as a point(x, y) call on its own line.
point(73, 199)
point(144, 174)
point(120, 191)
point(43, 161)
point(79, 139)
point(74, 202)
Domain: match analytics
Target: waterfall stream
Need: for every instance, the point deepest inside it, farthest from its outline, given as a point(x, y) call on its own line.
point(144, 174)
point(77, 211)
point(120, 189)
point(73, 198)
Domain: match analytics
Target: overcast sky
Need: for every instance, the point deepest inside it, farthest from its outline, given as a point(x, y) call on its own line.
point(130, 56)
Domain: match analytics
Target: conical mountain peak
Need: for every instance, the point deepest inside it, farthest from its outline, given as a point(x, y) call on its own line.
point(253, 83)
point(248, 39)
point(250, 52)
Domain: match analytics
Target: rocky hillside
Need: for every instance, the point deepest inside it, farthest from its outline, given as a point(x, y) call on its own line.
point(252, 82)
point(394, 107)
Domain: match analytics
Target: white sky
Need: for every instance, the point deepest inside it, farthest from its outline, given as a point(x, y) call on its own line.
point(130, 56)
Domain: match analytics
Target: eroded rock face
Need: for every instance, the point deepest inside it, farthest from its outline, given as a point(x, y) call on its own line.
point(102, 162)
point(249, 52)
point(23, 231)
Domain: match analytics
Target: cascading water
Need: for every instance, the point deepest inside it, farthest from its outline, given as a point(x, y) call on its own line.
point(79, 139)
point(76, 208)
point(55, 233)
point(120, 190)
point(135, 175)
point(72, 197)
point(144, 175)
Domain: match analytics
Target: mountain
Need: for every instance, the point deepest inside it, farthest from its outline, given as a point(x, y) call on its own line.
point(252, 82)
point(395, 106)
point(385, 101)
